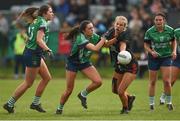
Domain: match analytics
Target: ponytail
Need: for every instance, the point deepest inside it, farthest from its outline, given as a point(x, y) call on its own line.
point(29, 13)
point(74, 32)
point(78, 29)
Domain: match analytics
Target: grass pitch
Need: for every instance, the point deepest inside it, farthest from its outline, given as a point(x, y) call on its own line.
point(102, 104)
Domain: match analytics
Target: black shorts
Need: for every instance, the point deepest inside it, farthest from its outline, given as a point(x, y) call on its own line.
point(71, 66)
point(131, 68)
point(156, 63)
point(32, 58)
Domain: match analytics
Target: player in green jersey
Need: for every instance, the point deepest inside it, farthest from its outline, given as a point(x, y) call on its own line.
point(161, 47)
point(33, 56)
point(123, 74)
point(176, 63)
point(175, 68)
point(85, 41)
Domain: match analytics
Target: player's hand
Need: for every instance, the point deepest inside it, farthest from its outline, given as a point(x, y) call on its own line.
point(50, 53)
point(155, 54)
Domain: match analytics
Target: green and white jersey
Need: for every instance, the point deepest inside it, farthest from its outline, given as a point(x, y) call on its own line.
point(79, 53)
point(160, 41)
point(39, 23)
point(177, 37)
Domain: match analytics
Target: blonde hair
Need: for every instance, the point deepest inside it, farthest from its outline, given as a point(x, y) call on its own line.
point(123, 19)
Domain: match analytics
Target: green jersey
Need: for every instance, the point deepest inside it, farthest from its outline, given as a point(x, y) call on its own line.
point(160, 41)
point(79, 53)
point(39, 23)
point(177, 37)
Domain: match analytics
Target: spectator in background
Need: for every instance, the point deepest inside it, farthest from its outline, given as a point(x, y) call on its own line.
point(108, 17)
point(83, 12)
point(145, 4)
point(19, 45)
point(157, 7)
point(64, 47)
point(120, 5)
point(174, 5)
point(135, 27)
point(62, 6)
point(4, 27)
point(54, 25)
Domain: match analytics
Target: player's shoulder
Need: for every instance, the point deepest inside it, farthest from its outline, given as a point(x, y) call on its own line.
point(151, 29)
point(169, 28)
point(177, 30)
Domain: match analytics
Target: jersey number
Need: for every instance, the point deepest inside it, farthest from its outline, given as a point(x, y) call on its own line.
point(30, 32)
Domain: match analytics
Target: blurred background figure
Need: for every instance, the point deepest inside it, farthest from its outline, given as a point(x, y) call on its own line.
point(4, 27)
point(18, 47)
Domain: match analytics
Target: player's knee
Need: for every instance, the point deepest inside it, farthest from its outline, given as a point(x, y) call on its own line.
point(167, 83)
point(121, 92)
point(28, 85)
point(69, 91)
point(49, 78)
point(152, 83)
point(99, 83)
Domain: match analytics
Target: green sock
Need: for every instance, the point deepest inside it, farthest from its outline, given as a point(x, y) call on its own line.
point(36, 100)
point(168, 99)
point(84, 93)
point(60, 107)
point(151, 100)
point(11, 102)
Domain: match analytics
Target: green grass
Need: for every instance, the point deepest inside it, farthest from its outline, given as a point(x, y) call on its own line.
point(102, 104)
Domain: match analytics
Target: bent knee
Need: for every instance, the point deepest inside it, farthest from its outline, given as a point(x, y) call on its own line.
point(121, 92)
point(69, 90)
point(98, 83)
point(153, 83)
point(47, 79)
point(167, 83)
point(28, 85)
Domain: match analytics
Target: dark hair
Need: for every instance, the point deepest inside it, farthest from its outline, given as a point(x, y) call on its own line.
point(43, 9)
point(160, 14)
point(78, 29)
point(29, 12)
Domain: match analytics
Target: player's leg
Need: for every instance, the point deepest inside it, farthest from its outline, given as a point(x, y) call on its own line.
point(96, 82)
point(166, 75)
point(152, 84)
point(71, 72)
point(175, 71)
point(116, 81)
point(126, 81)
point(46, 76)
point(30, 76)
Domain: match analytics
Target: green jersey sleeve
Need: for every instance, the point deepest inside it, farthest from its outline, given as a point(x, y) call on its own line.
point(177, 34)
point(147, 37)
point(177, 37)
point(81, 41)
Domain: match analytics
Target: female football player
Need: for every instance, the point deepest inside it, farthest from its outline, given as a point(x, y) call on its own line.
point(175, 68)
point(85, 41)
point(161, 47)
point(33, 56)
point(123, 74)
point(176, 63)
